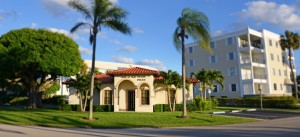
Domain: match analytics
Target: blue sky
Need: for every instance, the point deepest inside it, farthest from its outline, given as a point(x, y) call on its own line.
point(153, 23)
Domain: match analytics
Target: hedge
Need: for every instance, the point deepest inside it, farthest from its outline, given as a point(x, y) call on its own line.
point(96, 108)
point(268, 102)
point(178, 107)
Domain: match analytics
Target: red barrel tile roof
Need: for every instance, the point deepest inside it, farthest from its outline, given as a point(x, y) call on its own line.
point(134, 71)
point(104, 78)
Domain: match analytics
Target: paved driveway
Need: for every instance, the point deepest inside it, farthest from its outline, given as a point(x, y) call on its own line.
point(289, 127)
point(264, 114)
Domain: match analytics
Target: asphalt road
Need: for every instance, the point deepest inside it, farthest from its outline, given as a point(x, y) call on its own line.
point(265, 114)
point(277, 127)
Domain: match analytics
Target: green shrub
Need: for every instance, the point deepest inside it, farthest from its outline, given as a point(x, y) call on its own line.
point(158, 108)
point(58, 100)
point(65, 107)
point(201, 104)
point(19, 101)
point(166, 107)
point(268, 102)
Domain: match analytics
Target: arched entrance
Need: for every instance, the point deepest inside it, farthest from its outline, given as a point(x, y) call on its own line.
point(127, 95)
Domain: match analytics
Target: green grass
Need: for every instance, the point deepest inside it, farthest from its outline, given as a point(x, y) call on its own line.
point(55, 118)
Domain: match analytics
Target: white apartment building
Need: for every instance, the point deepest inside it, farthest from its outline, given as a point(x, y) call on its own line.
point(247, 59)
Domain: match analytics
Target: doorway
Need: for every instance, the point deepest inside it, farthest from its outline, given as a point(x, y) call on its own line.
point(130, 100)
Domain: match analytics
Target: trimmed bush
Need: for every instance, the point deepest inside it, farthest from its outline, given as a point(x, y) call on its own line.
point(158, 108)
point(65, 107)
point(268, 102)
point(201, 104)
point(19, 101)
point(58, 100)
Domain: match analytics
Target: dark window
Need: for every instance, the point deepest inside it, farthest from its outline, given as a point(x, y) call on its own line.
point(108, 97)
point(145, 97)
point(190, 50)
point(275, 86)
point(233, 87)
point(229, 41)
point(212, 45)
point(231, 56)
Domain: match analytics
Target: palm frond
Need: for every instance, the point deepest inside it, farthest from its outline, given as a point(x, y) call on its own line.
point(118, 25)
point(78, 25)
point(75, 4)
point(176, 39)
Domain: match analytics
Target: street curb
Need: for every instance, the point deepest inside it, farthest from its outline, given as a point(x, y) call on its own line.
point(236, 111)
point(220, 112)
point(251, 109)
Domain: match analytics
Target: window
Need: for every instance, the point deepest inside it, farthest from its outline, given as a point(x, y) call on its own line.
point(281, 87)
point(279, 72)
point(272, 56)
point(277, 44)
point(190, 50)
point(212, 45)
point(283, 59)
point(285, 73)
point(229, 41)
point(233, 87)
point(213, 59)
point(278, 58)
point(191, 62)
point(108, 97)
point(145, 97)
point(232, 71)
point(231, 56)
point(274, 72)
point(215, 88)
point(270, 42)
point(275, 86)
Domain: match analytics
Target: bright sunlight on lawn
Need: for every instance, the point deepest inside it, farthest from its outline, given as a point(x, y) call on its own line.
point(55, 118)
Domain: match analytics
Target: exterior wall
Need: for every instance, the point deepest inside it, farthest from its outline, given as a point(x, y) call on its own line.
point(73, 98)
point(101, 95)
point(223, 64)
point(252, 53)
point(276, 64)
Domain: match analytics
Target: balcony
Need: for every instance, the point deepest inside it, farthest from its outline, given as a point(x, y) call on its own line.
point(258, 62)
point(254, 43)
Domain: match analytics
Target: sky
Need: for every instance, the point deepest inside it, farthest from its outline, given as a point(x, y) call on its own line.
point(153, 23)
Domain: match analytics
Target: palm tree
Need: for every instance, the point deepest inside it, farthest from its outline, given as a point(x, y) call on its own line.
point(290, 41)
point(170, 79)
point(208, 77)
point(102, 13)
point(195, 24)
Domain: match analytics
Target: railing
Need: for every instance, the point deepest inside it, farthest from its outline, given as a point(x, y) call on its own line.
point(246, 76)
point(258, 60)
point(253, 44)
point(245, 60)
point(260, 76)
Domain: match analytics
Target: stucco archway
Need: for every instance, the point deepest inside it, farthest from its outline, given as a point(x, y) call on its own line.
point(127, 95)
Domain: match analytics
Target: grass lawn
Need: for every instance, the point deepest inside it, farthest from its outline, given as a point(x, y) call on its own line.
point(55, 118)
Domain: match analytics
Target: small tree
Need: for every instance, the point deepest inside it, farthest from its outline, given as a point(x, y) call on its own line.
point(290, 41)
point(37, 58)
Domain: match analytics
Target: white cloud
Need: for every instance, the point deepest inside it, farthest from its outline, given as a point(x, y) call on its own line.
point(138, 30)
point(33, 25)
point(56, 7)
point(67, 33)
point(122, 59)
point(153, 63)
point(85, 50)
point(115, 42)
point(128, 48)
point(263, 12)
point(114, 1)
point(218, 32)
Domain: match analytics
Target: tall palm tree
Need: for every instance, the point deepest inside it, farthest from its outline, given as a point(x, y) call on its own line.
point(195, 24)
point(208, 77)
point(290, 41)
point(101, 13)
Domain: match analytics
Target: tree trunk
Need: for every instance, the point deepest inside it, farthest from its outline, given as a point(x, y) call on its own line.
point(174, 102)
point(169, 99)
point(293, 74)
point(32, 96)
point(184, 112)
point(92, 73)
point(204, 93)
